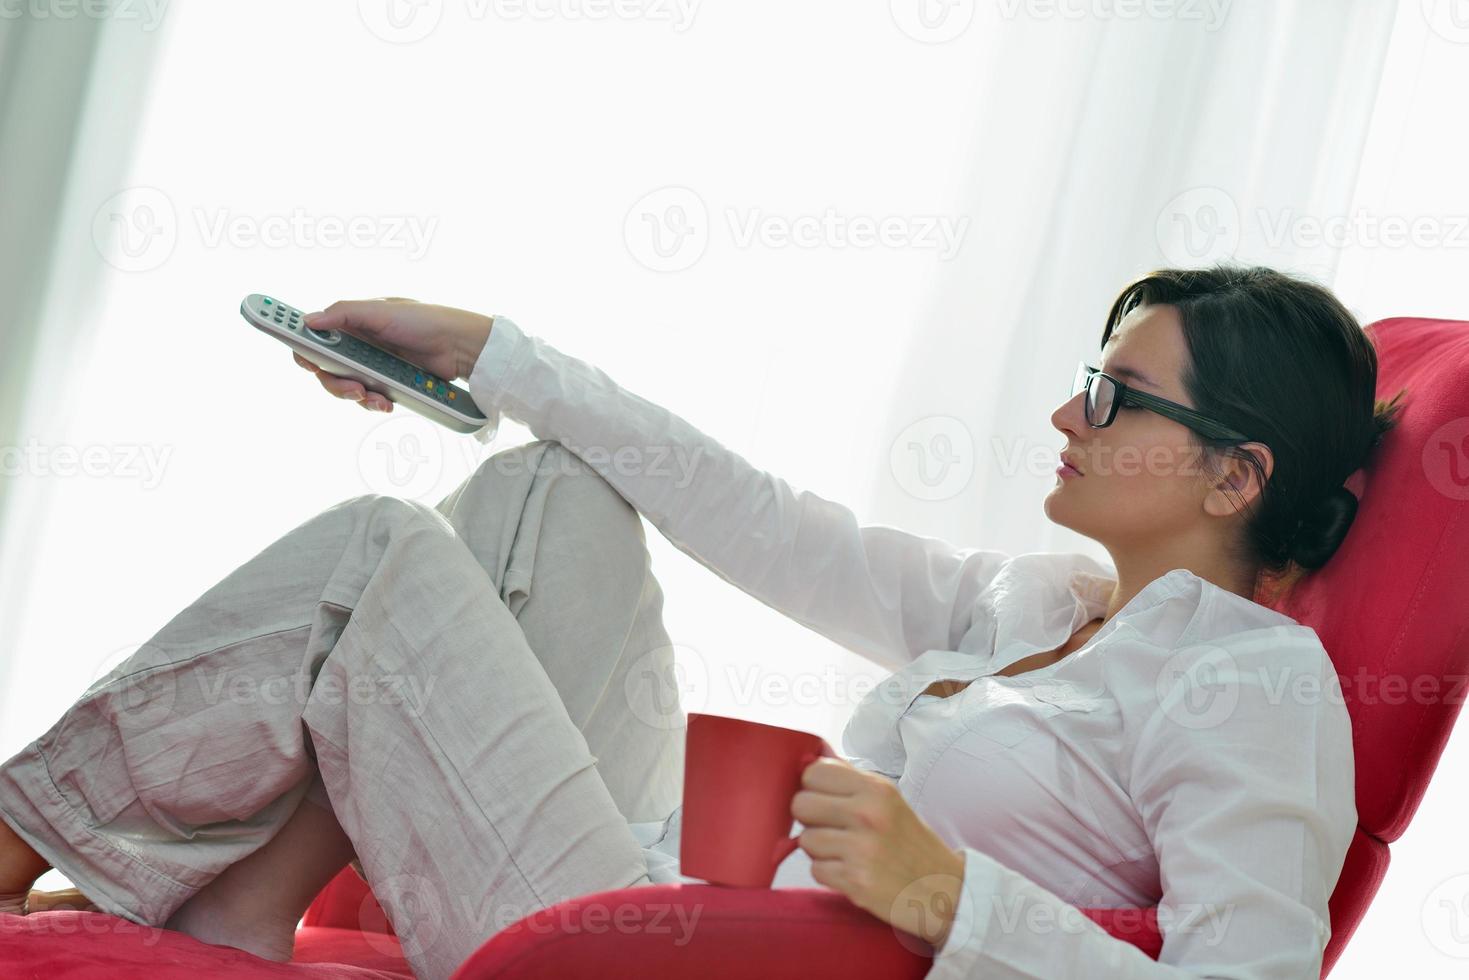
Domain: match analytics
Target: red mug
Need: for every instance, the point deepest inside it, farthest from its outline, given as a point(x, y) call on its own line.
point(739, 779)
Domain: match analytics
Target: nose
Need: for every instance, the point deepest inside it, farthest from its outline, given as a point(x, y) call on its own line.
point(1070, 417)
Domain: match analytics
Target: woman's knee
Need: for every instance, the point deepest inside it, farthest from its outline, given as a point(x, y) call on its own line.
point(584, 509)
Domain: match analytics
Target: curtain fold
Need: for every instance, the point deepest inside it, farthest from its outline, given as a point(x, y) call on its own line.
point(1104, 147)
point(72, 93)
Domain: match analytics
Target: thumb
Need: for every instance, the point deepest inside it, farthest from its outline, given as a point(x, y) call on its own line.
point(351, 316)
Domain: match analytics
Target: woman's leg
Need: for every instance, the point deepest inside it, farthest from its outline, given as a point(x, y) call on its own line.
point(255, 903)
point(575, 555)
point(571, 561)
point(366, 637)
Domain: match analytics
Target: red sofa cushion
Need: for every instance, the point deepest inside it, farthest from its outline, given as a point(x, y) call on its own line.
point(94, 946)
point(718, 933)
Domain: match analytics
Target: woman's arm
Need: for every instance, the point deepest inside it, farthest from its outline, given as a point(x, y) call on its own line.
point(884, 593)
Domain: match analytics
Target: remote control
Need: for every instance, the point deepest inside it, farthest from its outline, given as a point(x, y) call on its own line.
point(386, 373)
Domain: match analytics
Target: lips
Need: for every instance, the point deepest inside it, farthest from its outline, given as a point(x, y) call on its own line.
point(1072, 463)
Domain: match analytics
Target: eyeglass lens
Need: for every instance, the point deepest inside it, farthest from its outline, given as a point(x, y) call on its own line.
point(1099, 394)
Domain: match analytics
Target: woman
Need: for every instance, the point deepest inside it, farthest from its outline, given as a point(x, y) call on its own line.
point(1056, 733)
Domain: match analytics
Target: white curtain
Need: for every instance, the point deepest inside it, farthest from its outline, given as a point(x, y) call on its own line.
point(73, 84)
point(1102, 147)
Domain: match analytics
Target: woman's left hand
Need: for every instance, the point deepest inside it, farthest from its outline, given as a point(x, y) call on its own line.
point(866, 842)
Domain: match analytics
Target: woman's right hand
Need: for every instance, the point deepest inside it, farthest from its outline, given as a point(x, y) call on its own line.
point(442, 340)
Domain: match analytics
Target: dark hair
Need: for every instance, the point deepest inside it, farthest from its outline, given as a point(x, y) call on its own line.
point(1279, 358)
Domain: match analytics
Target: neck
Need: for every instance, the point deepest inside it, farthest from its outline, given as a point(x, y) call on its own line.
point(1136, 571)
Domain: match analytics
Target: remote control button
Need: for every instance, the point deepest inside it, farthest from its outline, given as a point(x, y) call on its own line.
point(326, 336)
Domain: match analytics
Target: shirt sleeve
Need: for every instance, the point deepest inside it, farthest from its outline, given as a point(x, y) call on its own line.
point(1244, 781)
point(883, 593)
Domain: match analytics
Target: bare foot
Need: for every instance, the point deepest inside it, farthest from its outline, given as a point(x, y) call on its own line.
point(221, 918)
point(67, 899)
point(255, 903)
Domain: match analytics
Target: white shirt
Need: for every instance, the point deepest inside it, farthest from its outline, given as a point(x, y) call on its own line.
point(1194, 754)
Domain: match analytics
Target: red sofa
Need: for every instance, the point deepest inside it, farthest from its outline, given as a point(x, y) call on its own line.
point(1389, 607)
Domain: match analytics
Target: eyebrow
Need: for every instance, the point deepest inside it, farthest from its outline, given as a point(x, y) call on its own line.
point(1134, 375)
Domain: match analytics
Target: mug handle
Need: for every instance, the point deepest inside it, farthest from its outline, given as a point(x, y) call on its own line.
point(786, 845)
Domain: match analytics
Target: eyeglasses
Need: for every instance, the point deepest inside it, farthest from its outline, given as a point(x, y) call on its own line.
point(1105, 394)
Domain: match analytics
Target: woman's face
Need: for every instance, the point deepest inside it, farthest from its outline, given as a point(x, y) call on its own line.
point(1141, 486)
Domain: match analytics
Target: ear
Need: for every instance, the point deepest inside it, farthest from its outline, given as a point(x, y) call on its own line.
point(1239, 486)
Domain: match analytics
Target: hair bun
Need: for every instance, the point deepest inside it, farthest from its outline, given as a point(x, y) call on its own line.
point(1322, 529)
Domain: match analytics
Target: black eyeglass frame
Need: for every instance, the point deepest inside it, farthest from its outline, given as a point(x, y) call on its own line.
point(1201, 424)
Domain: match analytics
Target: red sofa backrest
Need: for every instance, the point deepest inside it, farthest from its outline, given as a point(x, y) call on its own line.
point(1392, 605)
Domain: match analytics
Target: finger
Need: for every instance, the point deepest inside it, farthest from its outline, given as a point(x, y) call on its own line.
point(342, 387)
point(832, 776)
point(821, 809)
point(824, 842)
point(357, 316)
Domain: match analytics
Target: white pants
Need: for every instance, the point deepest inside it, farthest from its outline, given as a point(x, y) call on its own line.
point(456, 680)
